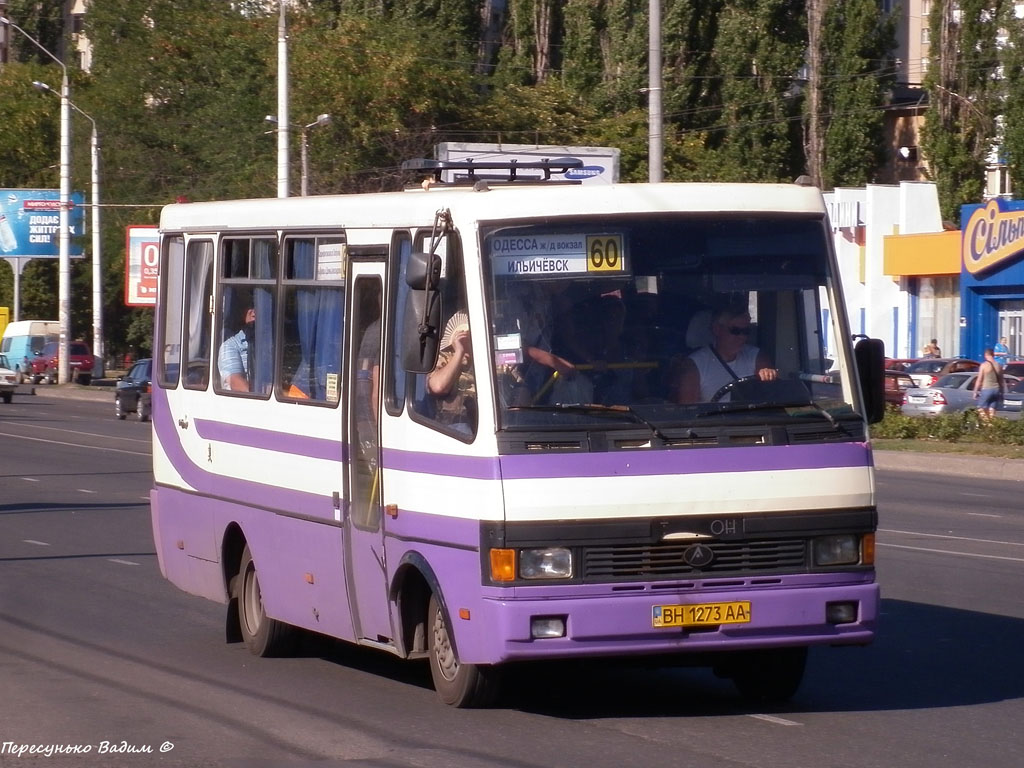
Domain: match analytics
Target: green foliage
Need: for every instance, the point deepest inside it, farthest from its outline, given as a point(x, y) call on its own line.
point(964, 98)
point(857, 45)
point(964, 427)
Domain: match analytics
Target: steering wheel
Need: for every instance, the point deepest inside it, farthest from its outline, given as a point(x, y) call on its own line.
point(730, 386)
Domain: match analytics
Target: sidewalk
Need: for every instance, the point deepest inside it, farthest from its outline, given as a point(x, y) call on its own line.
point(959, 464)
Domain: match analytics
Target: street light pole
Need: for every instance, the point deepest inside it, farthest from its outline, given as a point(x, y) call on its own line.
point(64, 235)
point(303, 130)
point(282, 101)
point(323, 119)
point(97, 257)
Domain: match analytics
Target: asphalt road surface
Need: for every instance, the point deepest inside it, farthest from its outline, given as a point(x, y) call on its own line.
point(99, 655)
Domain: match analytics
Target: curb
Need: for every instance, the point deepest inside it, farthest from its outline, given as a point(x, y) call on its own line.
point(960, 465)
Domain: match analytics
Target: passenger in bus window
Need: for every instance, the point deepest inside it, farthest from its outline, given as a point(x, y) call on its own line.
point(234, 361)
point(452, 382)
point(729, 356)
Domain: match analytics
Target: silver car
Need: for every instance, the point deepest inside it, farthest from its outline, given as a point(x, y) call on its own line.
point(1010, 407)
point(952, 393)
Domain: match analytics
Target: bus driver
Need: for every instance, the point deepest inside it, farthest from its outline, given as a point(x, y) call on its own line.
point(727, 358)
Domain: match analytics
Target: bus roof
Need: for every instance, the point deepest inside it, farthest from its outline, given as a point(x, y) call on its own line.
point(492, 203)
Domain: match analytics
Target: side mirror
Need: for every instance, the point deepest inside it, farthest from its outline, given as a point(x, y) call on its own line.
point(421, 332)
point(870, 357)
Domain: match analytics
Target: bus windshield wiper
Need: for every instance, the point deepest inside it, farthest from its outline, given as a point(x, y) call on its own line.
point(764, 406)
point(596, 408)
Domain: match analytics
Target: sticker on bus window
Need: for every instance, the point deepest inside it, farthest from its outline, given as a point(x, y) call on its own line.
point(332, 387)
point(330, 261)
point(539, 255)
point(508, 349)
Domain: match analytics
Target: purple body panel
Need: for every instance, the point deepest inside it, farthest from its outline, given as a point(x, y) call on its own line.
point(302, 544)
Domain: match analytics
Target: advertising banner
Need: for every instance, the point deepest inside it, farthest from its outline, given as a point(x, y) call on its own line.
point(30, 223)
point(142, 267)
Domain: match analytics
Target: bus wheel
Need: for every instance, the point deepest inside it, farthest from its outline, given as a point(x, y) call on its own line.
point(262, 635)
point(460, 685)
point(770, 675)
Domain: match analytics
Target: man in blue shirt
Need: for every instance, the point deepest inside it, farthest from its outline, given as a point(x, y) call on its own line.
point(233, 359)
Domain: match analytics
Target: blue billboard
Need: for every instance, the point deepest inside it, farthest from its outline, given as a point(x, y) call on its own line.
point(30, 223)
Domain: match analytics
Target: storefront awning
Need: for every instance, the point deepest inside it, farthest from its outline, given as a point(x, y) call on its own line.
point(934, 253)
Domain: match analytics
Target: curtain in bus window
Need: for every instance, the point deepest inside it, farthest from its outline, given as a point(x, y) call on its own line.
point(319, 324)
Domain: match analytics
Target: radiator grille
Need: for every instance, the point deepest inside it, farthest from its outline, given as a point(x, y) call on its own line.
point(665, 560)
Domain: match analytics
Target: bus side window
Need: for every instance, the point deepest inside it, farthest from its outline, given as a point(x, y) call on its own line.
point(446, 397)
point(245, 332)
point(312, 320)
point(199, 289)
point(169, 330)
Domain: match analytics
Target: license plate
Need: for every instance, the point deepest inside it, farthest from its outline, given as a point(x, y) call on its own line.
point(915, 399)
point(701, 614)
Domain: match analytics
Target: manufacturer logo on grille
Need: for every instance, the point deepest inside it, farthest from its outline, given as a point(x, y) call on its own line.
point(698, 556)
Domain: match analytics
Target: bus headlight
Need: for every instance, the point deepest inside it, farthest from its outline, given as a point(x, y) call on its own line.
point(843, 549)
point(546, 563)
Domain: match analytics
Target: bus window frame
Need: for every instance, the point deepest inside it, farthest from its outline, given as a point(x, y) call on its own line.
point(273, 283)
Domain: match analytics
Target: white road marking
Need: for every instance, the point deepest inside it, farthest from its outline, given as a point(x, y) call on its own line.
point(122, 562)
point(774, 719)
point(982, 514)
point(954, 538)
point(949, 552)
point(37, 543)
point(76, 432)
point(31, 479)
point(74, 445)
point(86, 490)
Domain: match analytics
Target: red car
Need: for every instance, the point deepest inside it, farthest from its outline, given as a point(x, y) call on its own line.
point(44, 365)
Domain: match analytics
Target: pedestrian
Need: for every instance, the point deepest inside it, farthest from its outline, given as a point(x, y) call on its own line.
point(931, 349)
point(989, 386)
point(1002, 351)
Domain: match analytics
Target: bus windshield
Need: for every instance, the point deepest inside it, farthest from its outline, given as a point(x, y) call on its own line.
point(670, 321)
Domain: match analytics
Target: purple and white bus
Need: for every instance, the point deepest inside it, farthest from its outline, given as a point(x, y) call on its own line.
point(500, 422)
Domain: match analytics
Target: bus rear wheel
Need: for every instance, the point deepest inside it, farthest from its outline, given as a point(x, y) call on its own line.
point(459, 685)
point(262, 635)
point(771, 675)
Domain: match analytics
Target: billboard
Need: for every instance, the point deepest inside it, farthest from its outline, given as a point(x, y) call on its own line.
point(600, 164)
point(30, 223)
point(142, 266)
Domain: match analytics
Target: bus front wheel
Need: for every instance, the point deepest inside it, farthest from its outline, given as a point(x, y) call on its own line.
point(772, 675)
point(459, 685)
point(262, 635)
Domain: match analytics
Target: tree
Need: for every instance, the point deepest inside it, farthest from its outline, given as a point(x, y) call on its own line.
point(963, 99)
point(858, 73)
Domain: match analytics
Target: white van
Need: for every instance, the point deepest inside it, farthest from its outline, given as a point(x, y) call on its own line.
point(23, 339)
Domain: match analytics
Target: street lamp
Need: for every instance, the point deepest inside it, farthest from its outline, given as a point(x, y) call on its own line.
point(97, 259)
point(323, 119)
point(64, 235)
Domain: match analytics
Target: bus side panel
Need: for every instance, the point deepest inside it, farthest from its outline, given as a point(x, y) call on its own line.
point(295, 542)
point(299, 562)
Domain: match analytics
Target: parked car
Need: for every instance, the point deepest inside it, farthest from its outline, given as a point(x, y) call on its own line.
point(44, 364)
point(928, 371)
point(896, 383)
point(1014, 368)
point(134, 391)
point(1011, 407)
point(899, 363)
point(952, 393)
point(8, 380)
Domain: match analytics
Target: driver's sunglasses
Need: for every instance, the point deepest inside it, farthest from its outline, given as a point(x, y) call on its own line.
point(736, 331)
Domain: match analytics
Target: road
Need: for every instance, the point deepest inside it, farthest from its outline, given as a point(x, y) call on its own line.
point(97, 651)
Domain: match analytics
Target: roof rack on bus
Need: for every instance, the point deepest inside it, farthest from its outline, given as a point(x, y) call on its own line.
point(470, 170)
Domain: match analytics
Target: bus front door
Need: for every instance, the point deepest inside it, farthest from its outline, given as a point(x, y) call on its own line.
point(365, 564)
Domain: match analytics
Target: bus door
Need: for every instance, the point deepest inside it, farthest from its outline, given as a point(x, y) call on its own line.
point(366, 568)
